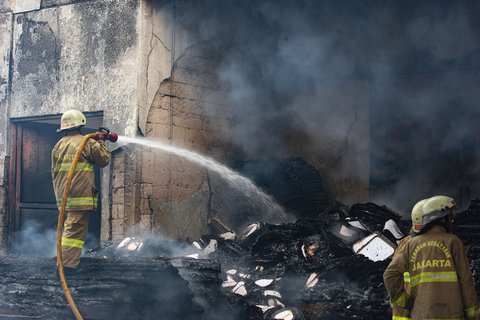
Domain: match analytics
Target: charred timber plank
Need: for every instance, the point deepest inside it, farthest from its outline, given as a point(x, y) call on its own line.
point(102, 289)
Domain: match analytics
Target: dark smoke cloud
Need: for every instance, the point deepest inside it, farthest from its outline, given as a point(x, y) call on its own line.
point(418, 62)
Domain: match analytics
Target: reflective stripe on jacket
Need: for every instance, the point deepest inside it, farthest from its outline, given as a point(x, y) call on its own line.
point(440, 280)
point(83, 195)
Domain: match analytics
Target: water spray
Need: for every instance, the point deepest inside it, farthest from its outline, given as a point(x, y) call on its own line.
point(232, 177)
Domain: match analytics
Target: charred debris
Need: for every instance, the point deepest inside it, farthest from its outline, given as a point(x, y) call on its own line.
point(326, 267)
point(312, 269)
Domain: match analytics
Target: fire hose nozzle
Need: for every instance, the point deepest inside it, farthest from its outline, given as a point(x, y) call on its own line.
point(105, 134)
point(112, 136)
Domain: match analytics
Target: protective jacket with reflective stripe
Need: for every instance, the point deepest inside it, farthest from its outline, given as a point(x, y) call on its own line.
point(83, 195)
point(441, 283)
point(400, 311)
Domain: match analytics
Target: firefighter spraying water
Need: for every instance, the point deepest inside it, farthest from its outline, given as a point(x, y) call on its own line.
point(73, 160)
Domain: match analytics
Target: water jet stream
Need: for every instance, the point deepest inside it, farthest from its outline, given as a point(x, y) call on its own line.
point(274, 213)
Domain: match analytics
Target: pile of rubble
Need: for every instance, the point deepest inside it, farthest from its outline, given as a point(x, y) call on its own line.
point(325, 267)
point(328, 267)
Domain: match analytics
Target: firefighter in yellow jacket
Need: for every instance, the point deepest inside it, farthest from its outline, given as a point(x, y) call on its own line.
point(82, 200)
point(429, 277)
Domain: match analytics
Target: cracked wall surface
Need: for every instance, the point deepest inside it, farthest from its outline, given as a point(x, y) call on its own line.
point(187, 112)
point(161, 42)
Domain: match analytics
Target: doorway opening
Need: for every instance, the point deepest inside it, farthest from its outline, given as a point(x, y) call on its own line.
point(32, 210)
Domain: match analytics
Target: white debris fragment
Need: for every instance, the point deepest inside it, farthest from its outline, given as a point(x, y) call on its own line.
point(284, 315)
point(275, 303)
point(376, 247)
point(194, 256)
point(264, 308)
point(250, 229)
point(312, 280)
point(303, 251)
point(231, 271)
point(357, 224)
point(240, 289)
point(131, 244)
point(228, 236)
point(230, 282)
point(212, 247)
point(392, 226)
point(272, 293)
point(197, 245)
point(263, 282)
point(124, 242)
point(244, 275)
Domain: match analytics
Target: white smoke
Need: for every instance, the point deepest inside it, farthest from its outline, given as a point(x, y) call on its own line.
point(35, 240)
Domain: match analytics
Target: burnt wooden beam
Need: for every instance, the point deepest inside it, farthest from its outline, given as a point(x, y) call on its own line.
point(118, 288)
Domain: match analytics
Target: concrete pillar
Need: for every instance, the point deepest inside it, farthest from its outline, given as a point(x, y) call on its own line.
point(5, 49)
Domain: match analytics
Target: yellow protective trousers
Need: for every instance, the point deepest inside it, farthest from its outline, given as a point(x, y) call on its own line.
point(75, 231)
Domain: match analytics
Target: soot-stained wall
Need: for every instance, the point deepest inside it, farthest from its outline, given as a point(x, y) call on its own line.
point(76, 56)
point(58, 55)
point(206, 106)
point(189, 112)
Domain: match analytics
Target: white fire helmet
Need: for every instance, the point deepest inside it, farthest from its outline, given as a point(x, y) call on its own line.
point(72, 119)
point(427, 210)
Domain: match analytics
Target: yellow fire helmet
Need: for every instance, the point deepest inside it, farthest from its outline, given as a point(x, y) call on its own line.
point(417, 215)
point(72, 119)
point(427, 210)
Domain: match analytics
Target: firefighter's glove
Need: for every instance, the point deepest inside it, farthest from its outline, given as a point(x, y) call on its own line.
point(102, 133)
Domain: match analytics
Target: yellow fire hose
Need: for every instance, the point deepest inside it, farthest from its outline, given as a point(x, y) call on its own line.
point(61, 215)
